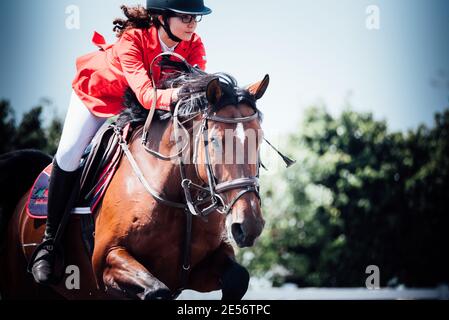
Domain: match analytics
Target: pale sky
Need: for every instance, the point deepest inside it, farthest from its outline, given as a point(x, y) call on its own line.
point(316, 51)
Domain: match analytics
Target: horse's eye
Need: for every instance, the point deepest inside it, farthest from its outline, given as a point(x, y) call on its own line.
point(215, 142)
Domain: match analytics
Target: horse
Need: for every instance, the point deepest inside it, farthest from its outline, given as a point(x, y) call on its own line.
point(165, 224)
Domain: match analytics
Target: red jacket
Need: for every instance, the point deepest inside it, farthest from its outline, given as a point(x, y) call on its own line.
point(103, 76)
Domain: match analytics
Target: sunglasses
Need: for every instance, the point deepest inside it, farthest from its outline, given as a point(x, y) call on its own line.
point(188, 18)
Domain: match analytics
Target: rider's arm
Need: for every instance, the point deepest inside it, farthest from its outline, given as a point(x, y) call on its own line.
point(130, 53)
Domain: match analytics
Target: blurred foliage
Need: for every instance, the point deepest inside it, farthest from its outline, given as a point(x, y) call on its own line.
point(7, 126)
point(358, 196)
point(29, 133)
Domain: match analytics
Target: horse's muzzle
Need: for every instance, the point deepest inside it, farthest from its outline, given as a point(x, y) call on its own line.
point(245, 233)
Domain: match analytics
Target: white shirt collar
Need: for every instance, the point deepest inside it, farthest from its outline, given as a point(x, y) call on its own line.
point(164, 47)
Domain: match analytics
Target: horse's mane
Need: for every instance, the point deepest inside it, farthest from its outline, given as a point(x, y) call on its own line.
point(192, 82)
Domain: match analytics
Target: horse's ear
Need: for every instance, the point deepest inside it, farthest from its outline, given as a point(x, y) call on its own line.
point(213, 91)
point(258, 89)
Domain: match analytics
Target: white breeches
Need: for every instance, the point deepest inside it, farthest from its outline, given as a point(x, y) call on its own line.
point(80, 126)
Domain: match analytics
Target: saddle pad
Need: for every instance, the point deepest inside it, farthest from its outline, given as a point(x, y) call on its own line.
point(38, 198)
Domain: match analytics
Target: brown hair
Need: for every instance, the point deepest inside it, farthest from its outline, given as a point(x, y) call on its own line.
point(137, 17)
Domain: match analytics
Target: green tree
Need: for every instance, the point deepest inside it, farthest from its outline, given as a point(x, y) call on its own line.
point(53, 134)
point(358, 195)
point(7, 126)
point(425, 238)
point(30, 133)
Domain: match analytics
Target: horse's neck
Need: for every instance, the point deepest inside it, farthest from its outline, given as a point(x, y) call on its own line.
point(163, 175)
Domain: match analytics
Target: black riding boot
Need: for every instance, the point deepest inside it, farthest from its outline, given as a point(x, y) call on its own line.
point(62, 192)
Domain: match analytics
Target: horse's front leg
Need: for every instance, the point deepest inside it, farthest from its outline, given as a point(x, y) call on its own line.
point(220, 271)
point(125, 277)
point(234, 281)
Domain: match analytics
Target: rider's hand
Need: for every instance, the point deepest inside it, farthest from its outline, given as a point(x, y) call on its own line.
point(175, 95)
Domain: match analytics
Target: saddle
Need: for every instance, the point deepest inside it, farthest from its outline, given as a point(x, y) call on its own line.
point(99, 163)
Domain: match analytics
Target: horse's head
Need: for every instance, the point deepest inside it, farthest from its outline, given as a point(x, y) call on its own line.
point(225, 125)
point(227, 155)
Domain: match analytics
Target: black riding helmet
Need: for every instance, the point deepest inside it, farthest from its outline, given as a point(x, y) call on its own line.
point(168, 8)
point(179, 6)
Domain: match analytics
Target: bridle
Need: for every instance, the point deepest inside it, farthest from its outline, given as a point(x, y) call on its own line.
point(211, 192)
point(214, 191)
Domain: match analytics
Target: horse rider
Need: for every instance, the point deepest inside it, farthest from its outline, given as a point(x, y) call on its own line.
point(98, 89)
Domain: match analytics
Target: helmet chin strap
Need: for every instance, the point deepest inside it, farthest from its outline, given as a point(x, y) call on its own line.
point(166, 27)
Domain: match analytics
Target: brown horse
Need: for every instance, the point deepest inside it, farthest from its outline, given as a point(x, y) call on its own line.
point(165, 223)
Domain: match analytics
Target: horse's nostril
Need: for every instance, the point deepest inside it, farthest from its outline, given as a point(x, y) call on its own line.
point(237, 231)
